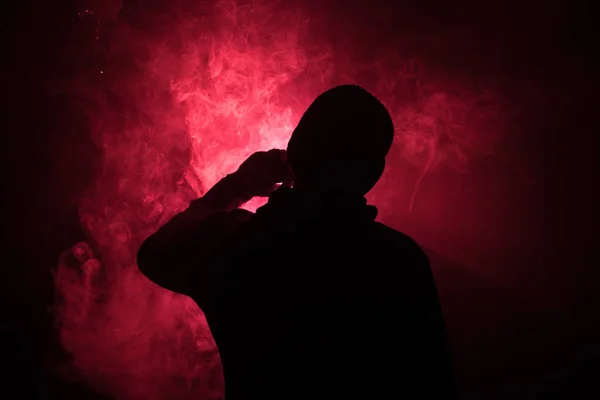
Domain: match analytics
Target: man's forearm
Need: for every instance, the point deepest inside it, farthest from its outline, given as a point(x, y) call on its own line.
point(174, 239)
point(173, 255)
point(227, 195)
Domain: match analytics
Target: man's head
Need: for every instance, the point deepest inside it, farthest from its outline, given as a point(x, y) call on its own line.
point(340, 144)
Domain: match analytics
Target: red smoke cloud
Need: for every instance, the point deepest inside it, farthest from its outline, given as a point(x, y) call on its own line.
point(187, 94)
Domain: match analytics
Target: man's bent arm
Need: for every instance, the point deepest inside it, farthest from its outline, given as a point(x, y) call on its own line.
point(172, 255)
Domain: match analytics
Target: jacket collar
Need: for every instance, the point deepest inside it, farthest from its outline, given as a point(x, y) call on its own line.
point(305, 203)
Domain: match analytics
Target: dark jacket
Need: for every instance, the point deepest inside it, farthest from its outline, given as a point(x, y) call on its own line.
point(309, 299)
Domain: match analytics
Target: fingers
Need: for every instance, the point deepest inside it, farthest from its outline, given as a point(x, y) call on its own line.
point(280, 153)
point(279, 163)
point(264, 169)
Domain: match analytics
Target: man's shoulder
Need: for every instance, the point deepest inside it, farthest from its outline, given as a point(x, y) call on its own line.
point(387, 233)
point(394, 238)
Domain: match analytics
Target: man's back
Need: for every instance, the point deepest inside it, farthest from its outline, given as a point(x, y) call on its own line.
point(310, 298)
point(320, 301)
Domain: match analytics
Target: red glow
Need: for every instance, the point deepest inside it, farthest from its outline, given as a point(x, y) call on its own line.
point(219, 83)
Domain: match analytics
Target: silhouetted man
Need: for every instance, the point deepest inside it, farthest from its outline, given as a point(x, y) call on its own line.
point(310, 297)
